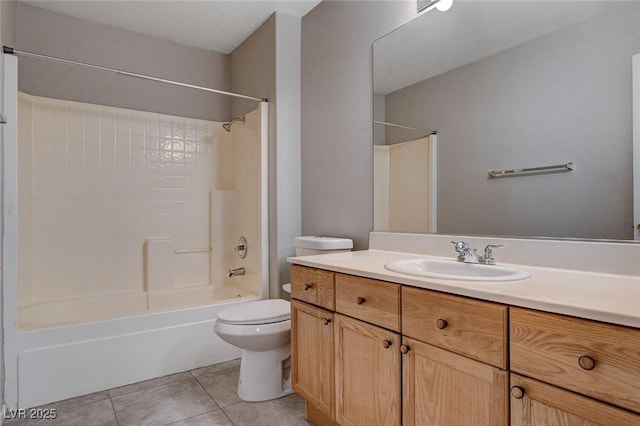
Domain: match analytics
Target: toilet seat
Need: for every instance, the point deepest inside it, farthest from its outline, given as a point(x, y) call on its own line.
point(259, 312)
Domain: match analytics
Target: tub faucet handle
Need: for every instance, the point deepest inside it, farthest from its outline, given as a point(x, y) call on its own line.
point(236, 271)
point(241, 248)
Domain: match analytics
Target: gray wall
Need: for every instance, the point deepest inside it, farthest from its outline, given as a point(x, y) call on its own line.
point(563, 97)
point(288, 192)
point(54, 34)
point(253, 68)
point(337, 109)
point(267, 65)
point(8, 37)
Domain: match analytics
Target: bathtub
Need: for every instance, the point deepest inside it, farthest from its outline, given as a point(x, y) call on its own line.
point(98, 308)
point(68, 360)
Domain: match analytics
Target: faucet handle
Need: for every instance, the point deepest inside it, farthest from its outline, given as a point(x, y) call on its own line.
point(460, 245)
point(465, 252)
point(487, 257)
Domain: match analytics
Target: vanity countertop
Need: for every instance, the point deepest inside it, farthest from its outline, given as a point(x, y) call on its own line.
point(598, 296)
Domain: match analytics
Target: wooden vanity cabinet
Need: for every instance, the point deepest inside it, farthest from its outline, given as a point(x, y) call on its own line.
point(367, 375)
point(373, 301)
point(312, 353)
point(314, 286)
point(564, 356)
point(536, 403)
point(443, 388)
point(367, 352)
point(449, 343)
point(473, 328)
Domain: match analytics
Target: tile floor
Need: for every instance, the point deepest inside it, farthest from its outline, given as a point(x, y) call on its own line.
point(204, 396)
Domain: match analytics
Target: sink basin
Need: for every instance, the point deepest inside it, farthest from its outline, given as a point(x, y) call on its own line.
point(454, 270)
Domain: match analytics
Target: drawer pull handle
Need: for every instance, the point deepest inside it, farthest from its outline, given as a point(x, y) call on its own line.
point(308, 286)
point(360, 300)
point(441, 323)
point(586, 362)
point(326, 321)
point(386, 343)
point(517, 392)
point(404, 349)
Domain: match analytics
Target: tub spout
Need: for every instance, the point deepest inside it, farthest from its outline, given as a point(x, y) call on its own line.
point(236, 271)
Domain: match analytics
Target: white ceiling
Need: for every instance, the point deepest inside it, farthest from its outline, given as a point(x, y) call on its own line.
point(214, 25)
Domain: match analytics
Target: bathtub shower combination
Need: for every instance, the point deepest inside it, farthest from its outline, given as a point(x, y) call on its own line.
point(124, 212)
point(127, 226)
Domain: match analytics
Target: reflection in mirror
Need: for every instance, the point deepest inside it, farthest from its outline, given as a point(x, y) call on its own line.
point(405, 179)
point(515, 85)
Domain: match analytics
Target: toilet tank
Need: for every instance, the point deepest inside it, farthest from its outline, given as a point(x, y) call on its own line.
point(321, 245)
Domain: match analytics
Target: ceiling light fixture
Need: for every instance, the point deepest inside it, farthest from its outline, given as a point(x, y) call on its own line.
point(427, 5)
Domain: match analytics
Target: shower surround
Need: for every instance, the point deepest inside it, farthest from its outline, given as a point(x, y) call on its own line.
point(120, 227)
point(124, 211)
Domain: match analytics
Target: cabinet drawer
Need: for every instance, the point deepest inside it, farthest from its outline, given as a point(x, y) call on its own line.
point(473, 328)
point(373, 301)
point(534, 402)
point(588, 357)
point(313, 286)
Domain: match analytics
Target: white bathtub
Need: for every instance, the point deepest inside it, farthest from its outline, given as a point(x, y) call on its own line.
point(64, 361)
point(97, 308)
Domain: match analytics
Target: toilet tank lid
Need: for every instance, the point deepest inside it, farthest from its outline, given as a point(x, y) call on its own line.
point(258, 312)
point(323, 243)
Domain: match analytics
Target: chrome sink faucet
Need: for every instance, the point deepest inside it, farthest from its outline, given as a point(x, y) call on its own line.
point(467, 254)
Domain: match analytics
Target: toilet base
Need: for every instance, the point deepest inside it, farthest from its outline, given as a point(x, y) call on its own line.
point(265, 375)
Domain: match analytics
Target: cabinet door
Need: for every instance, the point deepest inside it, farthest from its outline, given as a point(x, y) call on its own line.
point(537, 403)
point(442, 388)
point(367, 374)
point(312, 355)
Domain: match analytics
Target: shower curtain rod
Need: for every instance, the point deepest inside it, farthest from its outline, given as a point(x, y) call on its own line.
point(400, 126)
point(12, 51)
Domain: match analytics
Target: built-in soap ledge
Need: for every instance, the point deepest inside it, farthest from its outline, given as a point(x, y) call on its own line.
point(620, 258)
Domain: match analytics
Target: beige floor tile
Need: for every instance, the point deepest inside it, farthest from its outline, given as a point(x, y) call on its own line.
point(184, 399)
point(222, 385)
point(149, 384)
point(97, 413)
point(164, 404)
point(286, 411)
point(81, 400)
point(210, 369)
point(213, 418)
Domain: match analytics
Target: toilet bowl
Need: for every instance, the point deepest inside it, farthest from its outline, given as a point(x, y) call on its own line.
point(262, 329)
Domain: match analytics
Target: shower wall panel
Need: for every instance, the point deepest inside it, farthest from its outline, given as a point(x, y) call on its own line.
point(247, 174)
point(95, 182)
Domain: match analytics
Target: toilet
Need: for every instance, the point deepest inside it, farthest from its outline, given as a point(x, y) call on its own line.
point(262, 329)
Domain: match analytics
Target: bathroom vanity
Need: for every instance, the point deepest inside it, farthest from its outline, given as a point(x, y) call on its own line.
point(375, 347)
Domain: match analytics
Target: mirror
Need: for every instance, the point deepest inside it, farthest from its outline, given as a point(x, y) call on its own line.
point(507, 86)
